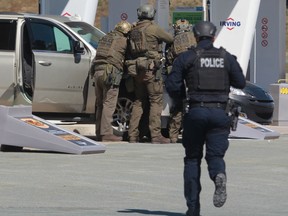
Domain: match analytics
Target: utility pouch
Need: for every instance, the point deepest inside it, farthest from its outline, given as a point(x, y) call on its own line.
point(112, 76)
point(116, 77)
point(131, 67)
point(157, 68)
point(142, 64)
point(107, 77)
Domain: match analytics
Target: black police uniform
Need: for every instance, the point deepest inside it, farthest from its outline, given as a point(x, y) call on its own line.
point(208, 73)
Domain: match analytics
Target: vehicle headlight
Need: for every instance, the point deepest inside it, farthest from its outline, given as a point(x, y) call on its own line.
point(236, 91)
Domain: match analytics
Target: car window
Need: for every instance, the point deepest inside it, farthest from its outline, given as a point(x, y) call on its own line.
point(8, 34)
point(50, 38)
point(89, 33)
point(62, 41)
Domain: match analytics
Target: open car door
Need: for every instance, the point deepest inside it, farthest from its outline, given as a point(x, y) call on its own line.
point(61, 66)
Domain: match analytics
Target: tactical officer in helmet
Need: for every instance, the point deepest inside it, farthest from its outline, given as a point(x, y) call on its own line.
point(183, 39)
point(146, 39)
point(208, 73)
point(109, 62)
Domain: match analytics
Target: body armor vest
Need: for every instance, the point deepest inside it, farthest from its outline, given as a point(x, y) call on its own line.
point(181, 44)
point(139, 45)
point(209, 73)
point(112, 48)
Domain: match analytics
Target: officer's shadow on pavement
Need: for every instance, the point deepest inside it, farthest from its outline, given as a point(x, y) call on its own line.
point(149, 212)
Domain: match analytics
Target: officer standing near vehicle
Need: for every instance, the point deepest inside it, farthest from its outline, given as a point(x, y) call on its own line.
point(208, 73)
point(146, 40)
point(109, 62)
point(183, 39)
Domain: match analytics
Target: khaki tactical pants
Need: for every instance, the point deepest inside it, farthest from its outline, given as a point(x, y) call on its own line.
point(147, 89)
point(175, 124)
point(106, 101)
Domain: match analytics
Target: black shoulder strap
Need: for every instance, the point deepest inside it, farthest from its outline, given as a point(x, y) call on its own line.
point(198, 51)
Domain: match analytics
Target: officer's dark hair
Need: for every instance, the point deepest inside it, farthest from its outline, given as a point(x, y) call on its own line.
point(204, 29)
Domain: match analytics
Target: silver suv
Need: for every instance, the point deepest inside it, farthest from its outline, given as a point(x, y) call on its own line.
point(45, 61)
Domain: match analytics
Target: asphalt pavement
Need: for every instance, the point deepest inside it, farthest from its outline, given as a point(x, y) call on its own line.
point(141, 179)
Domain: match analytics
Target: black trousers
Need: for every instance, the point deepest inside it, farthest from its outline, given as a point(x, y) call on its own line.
point(203, 126)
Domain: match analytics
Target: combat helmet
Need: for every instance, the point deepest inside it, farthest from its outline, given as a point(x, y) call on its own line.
point(204, 29)
point(182, 25)
point(146, 11)
point(123, 26)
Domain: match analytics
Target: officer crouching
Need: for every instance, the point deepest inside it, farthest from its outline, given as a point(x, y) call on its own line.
point(208, 73)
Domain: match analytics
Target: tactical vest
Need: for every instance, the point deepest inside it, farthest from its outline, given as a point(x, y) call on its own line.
point(139, 45)
point(112, 48)
point(182, 42)
point(209, 73)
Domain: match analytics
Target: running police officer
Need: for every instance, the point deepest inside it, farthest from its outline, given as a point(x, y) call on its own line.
point(183, 39)
point(208, 73)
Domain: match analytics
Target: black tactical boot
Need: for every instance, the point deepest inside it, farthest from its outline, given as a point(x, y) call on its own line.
point(220, 194)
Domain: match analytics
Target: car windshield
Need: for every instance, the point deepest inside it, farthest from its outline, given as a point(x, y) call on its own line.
point(87, 32)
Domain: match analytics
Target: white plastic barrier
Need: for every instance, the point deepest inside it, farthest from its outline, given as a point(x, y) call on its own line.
point(20, 128)
point(248, 129)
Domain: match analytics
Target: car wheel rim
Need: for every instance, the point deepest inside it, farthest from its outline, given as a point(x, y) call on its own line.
point(122, 115)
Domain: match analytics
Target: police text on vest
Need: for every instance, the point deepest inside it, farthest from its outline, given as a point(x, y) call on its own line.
point(212, 62)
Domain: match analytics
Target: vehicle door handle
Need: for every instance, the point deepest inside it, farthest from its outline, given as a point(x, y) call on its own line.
point(44, 63)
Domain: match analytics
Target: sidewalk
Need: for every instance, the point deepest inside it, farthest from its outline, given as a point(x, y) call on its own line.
point(141, 179)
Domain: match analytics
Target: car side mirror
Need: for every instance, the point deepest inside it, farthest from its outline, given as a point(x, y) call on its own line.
point(78, 47)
